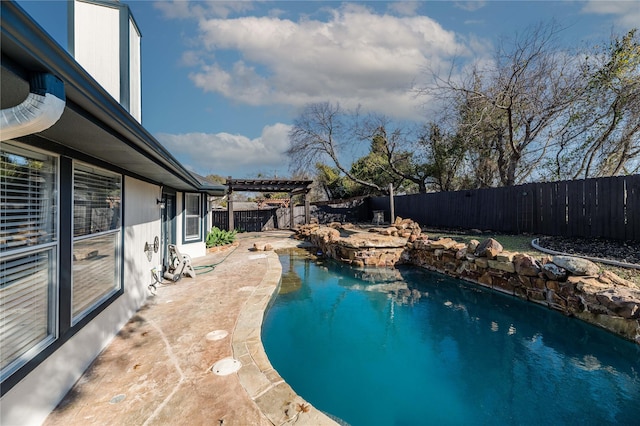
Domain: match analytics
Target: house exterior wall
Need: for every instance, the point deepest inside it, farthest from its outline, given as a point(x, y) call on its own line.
point(97, 43)
point(141, 225)
point(105, 40)
point(32, 399)
point(192, 248)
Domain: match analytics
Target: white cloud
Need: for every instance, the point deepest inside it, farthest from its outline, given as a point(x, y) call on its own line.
point(182, 9)
point(357, 57)
point(470, 6)
point(627, 13)
point(231, 155)
point(406, 8)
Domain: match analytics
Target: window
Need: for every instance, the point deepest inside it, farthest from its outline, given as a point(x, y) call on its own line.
point(192, 214)
point(28, 254)
point(96, 238)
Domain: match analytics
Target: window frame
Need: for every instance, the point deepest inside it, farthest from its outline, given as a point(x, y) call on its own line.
point(118, 287)
point(186, 239)
point(53, 268)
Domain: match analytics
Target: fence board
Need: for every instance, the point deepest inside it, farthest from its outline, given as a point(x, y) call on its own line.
point(590, 207)
point(633, 207)
point(572, 192)
point(618, 208)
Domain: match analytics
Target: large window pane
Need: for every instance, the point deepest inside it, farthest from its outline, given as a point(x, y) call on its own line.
point(27, 308)
point(192, 216)
point(27, 198)
point(96, 201)
point(96, 244)
point(28, 253)
point(95, 270)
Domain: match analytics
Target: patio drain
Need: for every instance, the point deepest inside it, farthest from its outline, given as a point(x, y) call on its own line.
point(226, 366)
point(217, 335)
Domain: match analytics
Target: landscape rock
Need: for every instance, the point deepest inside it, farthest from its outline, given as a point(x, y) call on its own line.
point(622, 302)
point(489, 248)
point(613, 278)
point(576, 265)
point(472, 246)
point(554, 272)
point(526, 265)
point(443, 243)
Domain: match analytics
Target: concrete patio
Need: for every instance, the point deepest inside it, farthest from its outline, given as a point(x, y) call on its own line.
point(158, 369)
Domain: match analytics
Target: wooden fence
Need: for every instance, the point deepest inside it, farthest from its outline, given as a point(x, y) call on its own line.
point(258, 220)
point(595, 208)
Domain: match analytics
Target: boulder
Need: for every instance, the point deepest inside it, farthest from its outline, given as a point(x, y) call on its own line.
point(461, 253)
point(501, 266)
point(621, 301)
point(526, 265)
point(576, 265)
point(472, 246)
point(489, 248)
point(443, 243)
point(613, 278)
point(554, 272)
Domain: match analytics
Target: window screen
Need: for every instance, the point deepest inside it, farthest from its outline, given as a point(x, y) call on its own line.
point(96, 243)
point(28, 224)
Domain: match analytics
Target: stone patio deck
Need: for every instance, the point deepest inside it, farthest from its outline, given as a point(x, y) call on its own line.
point(158, 369)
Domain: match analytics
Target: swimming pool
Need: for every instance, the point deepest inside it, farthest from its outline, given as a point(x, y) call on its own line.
point(414, 347)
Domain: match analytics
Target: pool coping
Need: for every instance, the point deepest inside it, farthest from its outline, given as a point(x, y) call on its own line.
point(264, 385)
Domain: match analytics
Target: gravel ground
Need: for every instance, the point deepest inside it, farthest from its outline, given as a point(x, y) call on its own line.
point(628, 252)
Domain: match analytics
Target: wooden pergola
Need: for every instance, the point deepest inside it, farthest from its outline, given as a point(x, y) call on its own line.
point(293, 187)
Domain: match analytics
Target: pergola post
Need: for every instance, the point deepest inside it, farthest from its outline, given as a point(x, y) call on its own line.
point(307, 212)
point(291, 211)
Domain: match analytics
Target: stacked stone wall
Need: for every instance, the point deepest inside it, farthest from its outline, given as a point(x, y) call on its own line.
point(566, 284)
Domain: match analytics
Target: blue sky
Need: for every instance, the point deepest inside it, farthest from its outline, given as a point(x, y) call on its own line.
point(223, 81)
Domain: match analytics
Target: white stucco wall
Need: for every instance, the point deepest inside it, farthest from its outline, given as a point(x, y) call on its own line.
point(31, 400)
point(142, 224)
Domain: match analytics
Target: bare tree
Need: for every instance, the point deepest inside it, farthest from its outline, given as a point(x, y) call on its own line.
point(322, 130)
point(509, 108)
point(602, 134)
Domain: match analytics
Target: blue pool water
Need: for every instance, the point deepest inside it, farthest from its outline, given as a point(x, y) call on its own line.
point(420, 348)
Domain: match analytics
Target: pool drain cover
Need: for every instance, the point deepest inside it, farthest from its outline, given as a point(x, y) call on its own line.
point(217, 335)
point(226, 366)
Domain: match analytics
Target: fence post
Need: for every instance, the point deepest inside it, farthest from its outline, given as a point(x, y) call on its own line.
point(391, 204)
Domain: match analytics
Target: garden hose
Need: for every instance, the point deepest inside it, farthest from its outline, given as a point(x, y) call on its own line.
point(211, 267)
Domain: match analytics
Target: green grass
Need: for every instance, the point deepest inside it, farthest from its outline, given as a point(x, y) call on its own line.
point(522, 244)
point(512, 243)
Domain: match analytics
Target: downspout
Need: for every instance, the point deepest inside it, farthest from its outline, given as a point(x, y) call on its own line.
point(39, 111)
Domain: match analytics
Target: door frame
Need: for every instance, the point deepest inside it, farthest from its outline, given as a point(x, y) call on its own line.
point(167, 226)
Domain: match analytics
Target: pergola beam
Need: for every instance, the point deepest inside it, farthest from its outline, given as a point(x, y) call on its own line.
point(293, 187)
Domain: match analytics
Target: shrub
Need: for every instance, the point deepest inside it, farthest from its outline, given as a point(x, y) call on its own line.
point(219, 237)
